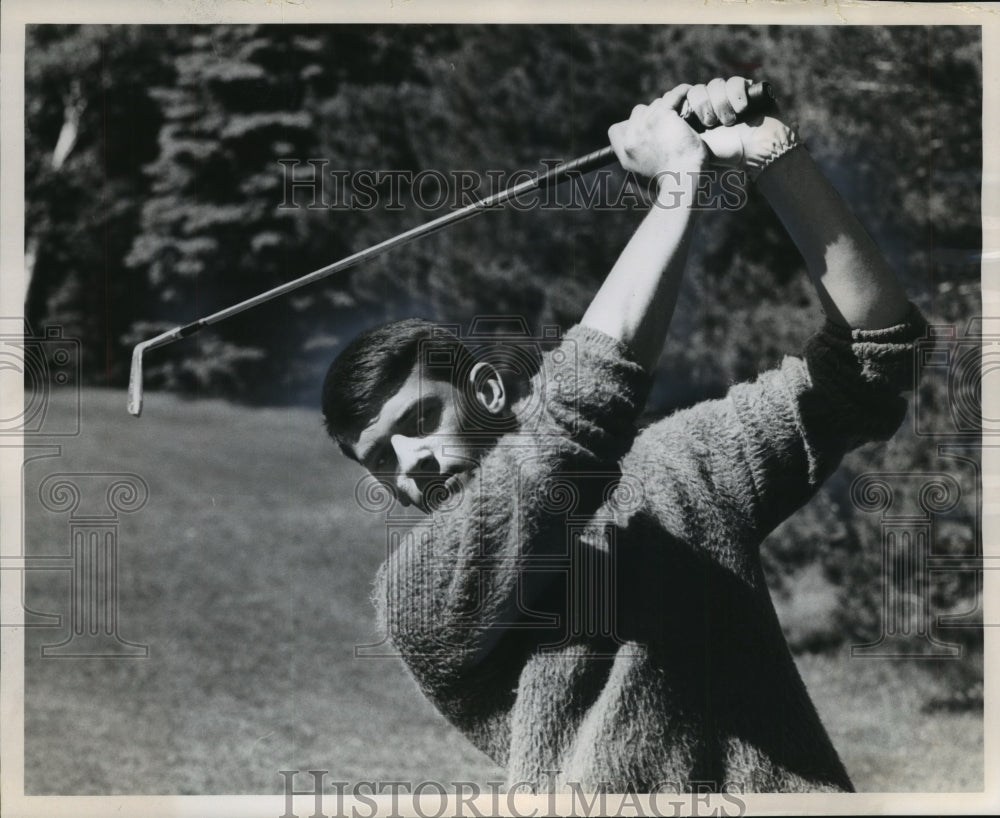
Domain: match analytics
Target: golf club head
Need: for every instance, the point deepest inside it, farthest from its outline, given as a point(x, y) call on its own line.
point(135, 381)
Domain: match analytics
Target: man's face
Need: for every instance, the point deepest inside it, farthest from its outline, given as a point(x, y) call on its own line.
point(416, 445)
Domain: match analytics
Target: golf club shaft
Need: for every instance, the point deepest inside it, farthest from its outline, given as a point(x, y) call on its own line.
point(581, 165)
point(759, 96)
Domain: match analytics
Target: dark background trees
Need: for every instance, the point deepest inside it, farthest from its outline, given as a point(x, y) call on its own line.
point(164, 203)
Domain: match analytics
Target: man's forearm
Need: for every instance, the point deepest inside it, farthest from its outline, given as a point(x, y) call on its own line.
point(637, 299)
point(855, 283)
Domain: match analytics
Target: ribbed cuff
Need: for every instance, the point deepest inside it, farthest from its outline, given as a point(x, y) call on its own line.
point(600, 343)
point(910, 328)
point(880, 358)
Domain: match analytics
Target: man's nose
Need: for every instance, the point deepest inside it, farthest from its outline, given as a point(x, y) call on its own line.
point(413, 454)
point(416, 462)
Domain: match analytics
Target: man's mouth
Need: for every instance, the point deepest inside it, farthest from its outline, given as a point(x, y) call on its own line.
point(440, 490)
point(453, 483)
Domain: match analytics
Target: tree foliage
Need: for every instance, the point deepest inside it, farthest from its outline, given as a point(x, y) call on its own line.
point(169, 204)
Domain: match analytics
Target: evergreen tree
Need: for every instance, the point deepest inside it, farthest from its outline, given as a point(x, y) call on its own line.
point(90, 125)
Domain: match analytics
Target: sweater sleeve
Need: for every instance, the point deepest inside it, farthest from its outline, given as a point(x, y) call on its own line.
point(466, 576)
point(728, 471)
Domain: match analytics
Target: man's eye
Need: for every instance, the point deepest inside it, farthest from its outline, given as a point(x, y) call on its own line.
point(429, 418)
point(410, 424)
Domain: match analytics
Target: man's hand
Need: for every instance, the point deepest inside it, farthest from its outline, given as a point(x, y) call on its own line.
point(718, 105)
point(749, 145)
point(655, 139)
point(720, 102)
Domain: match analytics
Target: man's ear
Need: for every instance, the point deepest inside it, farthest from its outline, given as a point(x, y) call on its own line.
point(487, 386)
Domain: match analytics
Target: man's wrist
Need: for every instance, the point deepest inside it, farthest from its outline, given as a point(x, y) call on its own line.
point(767, 143)
point(676, 186)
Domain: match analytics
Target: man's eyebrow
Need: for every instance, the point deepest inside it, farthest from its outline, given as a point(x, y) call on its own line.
point(361, 458)
point(378, 444)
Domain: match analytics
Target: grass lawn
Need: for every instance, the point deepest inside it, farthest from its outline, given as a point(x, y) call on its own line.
point(248, 574)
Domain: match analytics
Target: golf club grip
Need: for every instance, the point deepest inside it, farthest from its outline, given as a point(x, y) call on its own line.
point(760, 100)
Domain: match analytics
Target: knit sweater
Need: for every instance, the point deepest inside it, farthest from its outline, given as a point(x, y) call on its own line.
point(591, 610)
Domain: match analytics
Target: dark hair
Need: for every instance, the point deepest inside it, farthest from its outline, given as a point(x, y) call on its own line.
point(374, 365)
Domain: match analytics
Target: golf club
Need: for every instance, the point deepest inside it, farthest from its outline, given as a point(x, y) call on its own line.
point(759, 99)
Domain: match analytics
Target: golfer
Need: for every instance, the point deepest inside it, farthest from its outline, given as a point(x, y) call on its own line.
point(586, 601)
